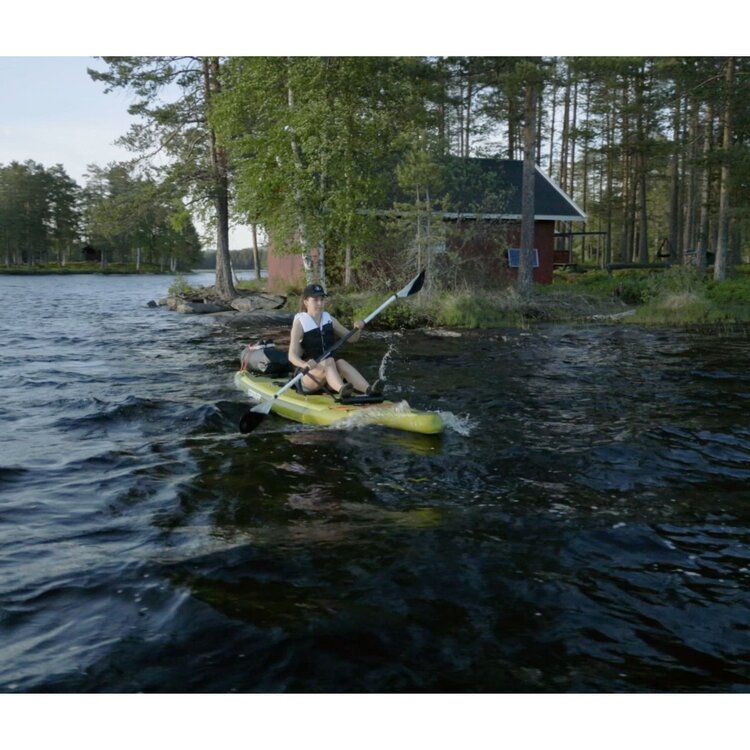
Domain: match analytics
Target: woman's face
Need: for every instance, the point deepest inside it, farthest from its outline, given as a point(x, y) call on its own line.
point(314, 304)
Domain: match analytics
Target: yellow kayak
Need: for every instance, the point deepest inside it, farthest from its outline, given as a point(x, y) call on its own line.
point(322, 409)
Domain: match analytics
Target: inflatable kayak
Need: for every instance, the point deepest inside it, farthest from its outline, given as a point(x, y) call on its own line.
point(323, 409)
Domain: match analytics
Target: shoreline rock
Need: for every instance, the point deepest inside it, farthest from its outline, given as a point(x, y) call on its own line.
point(206, 301)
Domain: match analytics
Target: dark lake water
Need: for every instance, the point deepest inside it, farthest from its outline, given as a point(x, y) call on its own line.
point(583, 525)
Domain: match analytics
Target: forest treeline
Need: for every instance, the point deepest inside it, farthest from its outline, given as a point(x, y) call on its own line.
point(46, 218)
point(653, 149)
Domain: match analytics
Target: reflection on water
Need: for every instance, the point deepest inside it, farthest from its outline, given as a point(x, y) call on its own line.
point(582, 524)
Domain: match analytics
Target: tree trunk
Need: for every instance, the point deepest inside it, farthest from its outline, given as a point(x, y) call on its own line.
point(690, 168)
point(585, 176)
point(640, 165)
point(626, 225)
point(674, 192)
point(610, 187)
point(720, 262)
point(467, 119)
point(348, 266)
point(572, 142)
point(626, 236)
point(428, 239)
point(256, 254)
point(565, 135)
point(322, 260)
point(702, 239)
point(525, 268)
point(642, 210)
point(511, 128)
point(419, 230)
point(224, 284)
point(553, 115)
point(307, 262)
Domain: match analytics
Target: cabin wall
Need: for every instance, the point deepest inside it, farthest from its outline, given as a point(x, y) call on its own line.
point(481, 245)
point(544, 242)
point(286, 270)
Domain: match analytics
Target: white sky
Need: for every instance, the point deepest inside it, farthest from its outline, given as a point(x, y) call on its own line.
point(51, 111)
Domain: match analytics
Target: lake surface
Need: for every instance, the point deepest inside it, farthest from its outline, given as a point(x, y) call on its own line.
point(583, 525)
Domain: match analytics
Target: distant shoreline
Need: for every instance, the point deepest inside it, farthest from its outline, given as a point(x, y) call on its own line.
point(112, 268)
point(13, 272)
point(116, 270)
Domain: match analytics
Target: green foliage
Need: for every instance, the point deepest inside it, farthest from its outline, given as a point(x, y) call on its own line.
point(675, 296)
point(626, 285)
point(401, 314)
point(678, 280)
point(251, 285)
point(315, 142)
point(684, 308)
point(732, 297)
point(39, 214)
point(172, 96)
point(469, 309)
point(124, 212)
point(480, 311)
point(180, 287)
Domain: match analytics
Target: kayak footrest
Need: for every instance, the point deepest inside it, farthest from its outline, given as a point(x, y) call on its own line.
point(361, 398)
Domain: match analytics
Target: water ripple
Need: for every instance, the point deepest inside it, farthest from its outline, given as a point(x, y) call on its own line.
point(582, 526)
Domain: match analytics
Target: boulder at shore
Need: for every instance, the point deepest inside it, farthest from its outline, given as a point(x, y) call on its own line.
point(202, 301)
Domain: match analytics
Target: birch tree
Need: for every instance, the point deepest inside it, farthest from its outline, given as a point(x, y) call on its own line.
point(314, 143)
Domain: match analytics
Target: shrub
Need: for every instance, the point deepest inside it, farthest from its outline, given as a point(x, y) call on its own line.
point(731, 297)
point(251, 285)
point(679, 280)
point(479, 310)
point(179, 287)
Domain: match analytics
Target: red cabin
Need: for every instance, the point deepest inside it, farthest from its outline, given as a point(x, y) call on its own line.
point(481, 221)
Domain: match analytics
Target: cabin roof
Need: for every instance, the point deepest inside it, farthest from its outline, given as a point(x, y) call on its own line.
point(491, 189)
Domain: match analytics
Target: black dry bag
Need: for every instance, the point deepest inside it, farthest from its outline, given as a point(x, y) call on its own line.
point(265, 358)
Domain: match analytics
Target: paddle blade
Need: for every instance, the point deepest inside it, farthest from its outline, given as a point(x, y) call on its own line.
point(264, 407)
point(255, 416)
point(413, 286)
point(250, 421)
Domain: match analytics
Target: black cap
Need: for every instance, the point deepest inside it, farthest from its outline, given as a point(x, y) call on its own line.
point(314, 290)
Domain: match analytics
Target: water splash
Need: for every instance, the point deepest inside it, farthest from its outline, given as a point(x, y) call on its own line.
point(461, 424)
point(368, 416)
point(384, 362)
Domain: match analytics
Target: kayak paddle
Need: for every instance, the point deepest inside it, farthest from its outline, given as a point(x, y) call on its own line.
point(256, 415)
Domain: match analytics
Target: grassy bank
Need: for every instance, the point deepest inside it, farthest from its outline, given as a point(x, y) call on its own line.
point(676, 296)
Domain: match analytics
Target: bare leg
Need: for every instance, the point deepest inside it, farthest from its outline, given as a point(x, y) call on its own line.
point(350, 373)
point(333, 377)
point(324, 373)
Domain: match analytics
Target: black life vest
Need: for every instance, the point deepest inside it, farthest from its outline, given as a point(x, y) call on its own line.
point(316, 339)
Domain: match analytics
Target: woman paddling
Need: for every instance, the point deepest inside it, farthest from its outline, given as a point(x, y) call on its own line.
point(314, 331)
